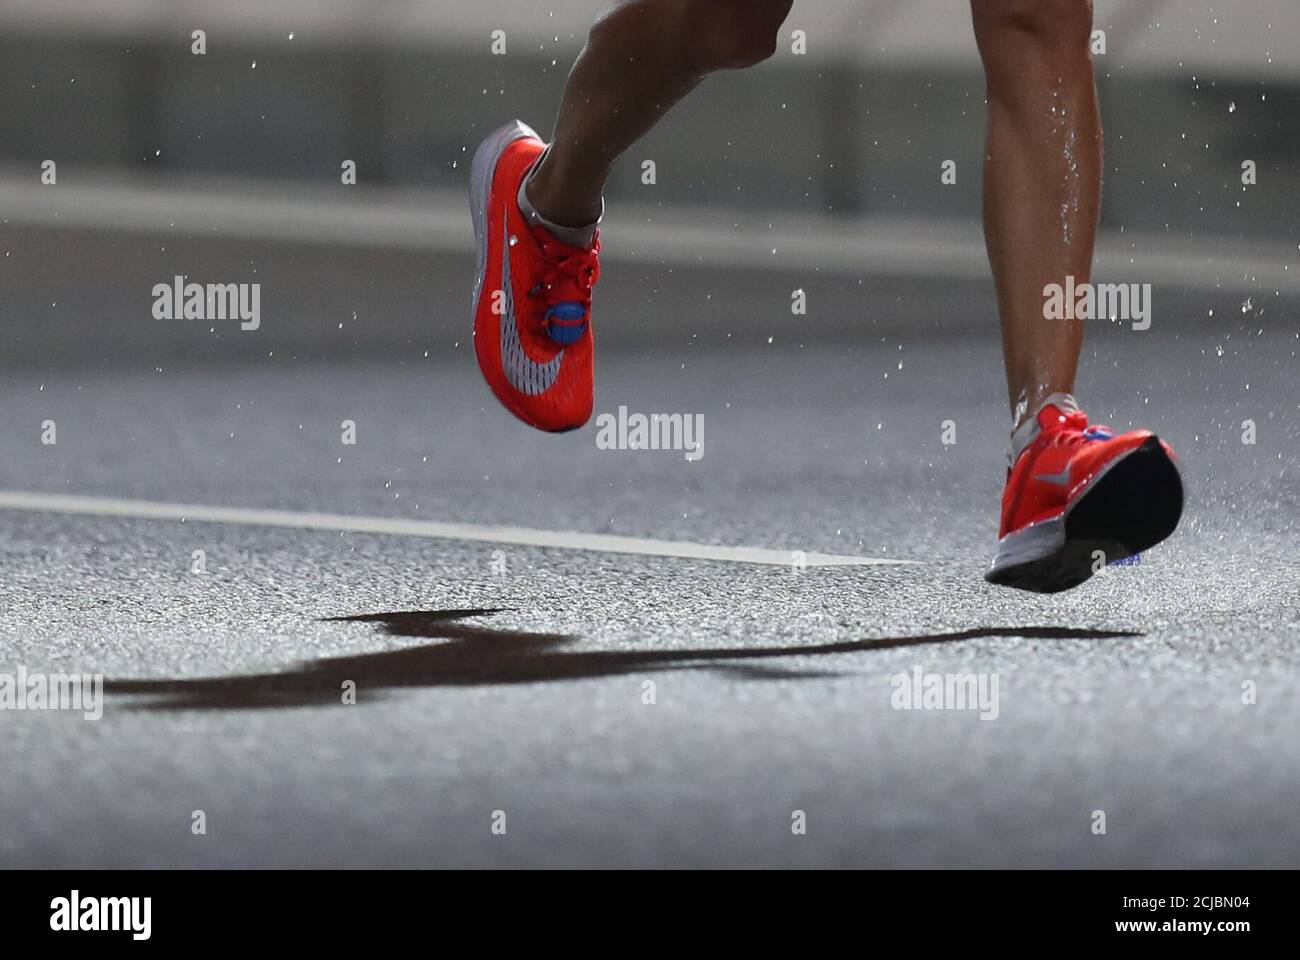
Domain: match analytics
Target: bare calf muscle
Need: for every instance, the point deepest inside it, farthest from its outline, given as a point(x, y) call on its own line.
point(642, 57)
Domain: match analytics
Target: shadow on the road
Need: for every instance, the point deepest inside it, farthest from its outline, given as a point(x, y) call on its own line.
point(482, 656)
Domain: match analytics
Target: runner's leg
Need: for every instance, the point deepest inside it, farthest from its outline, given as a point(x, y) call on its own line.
point(642, 57)
point(1042, 182)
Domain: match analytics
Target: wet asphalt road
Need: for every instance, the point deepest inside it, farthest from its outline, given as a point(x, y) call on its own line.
point(771, 688)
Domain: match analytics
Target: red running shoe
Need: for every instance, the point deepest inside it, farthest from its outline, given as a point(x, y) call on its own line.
point(1078, 497)
point(532, 294)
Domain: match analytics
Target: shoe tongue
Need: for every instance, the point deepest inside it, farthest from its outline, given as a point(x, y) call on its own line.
point(1054, 412)
point(1051, 417)
point(562, 245)
point(1056, 408)
point(1051, 413)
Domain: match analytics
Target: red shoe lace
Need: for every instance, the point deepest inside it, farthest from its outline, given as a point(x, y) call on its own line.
point(569, 276)
point(1071, 432)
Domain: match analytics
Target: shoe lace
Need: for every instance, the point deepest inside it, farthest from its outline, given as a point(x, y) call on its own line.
point(570, 273)
point(1076, 431)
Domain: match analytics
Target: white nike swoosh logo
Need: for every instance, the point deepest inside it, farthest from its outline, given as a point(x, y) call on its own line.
point(1061, 479)
point(524, 373)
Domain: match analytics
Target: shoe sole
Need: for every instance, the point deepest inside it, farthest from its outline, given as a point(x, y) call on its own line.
point(1129, 507)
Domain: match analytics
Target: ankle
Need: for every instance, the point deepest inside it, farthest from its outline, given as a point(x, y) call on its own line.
point(581, 237)
point(546, 193)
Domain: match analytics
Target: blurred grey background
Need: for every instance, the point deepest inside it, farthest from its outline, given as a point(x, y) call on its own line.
point(822, 167)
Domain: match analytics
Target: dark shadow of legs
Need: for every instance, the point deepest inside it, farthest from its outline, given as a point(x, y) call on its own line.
point(481, 656)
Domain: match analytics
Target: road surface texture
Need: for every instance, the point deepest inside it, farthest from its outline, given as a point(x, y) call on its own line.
point(507, 686)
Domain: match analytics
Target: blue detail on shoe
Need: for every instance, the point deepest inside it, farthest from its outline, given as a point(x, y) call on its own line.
point(566, 322)
point(1098, 433)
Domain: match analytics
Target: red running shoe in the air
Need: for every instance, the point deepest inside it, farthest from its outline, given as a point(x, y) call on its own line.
point(532, 294)
point(1079, 497)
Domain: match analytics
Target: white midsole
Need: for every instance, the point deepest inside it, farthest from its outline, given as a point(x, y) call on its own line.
point(1032, 543)
point(482, 172)
point(1044, 538)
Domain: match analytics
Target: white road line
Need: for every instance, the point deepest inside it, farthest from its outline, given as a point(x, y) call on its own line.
point(519, 536)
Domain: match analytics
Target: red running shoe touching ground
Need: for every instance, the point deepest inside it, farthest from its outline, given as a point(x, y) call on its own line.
point(1076, 489)
point(532, 294)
